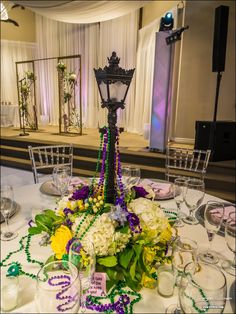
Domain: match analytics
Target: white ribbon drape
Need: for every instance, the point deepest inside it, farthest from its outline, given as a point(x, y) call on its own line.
point(82, 11)
point(12, 51)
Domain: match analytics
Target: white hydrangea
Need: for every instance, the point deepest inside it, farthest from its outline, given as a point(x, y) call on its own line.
point(150, 215)
point(106, 241)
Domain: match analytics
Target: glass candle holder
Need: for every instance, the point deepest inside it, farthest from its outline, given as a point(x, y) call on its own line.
point(165, 280)
point(9, 293)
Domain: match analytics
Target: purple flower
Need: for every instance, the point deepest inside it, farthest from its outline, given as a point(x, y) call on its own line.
point(134, 223)
point(67, 211)
point(69, 245)
point(140, 191)
point(81, 194)
point(68, 222)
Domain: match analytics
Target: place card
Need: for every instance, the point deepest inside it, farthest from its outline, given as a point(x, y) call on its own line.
point(98, 285)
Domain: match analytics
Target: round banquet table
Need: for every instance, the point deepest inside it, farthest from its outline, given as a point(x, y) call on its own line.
point(29, 196)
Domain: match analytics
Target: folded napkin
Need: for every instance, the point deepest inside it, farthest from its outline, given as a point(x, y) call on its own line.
point(160, 189)
point(76, 181)
point(217, 212)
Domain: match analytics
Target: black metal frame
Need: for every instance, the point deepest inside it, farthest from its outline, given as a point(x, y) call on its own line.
point(110, 75)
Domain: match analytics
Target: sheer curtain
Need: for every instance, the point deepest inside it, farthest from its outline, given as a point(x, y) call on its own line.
point(144, 75)
point(61, 39)
point(82, 11)
point(94, 42)
point(120, 35)
point(12, 51)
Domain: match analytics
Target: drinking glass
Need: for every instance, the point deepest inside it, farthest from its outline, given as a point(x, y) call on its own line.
point(179, 191)
point(130, 175)
point(58, 288)
point(213, 217)
point(193, 198)
point(135, 175)
point(184, 252)
point(9, 292)
point(7, 199)
point(230, 237)
point(85, 262)
point(203, 291)
point(61, 178)
point(126, 174)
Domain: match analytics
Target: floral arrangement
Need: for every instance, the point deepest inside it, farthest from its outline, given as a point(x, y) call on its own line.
point(25, 91)
point(68, 81)
point(129, 237)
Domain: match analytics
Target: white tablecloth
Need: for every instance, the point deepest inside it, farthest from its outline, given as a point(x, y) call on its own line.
point(10, 115)
point(29, 197)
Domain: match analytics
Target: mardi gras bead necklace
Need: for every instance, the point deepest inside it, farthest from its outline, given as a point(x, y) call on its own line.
point(15, 268)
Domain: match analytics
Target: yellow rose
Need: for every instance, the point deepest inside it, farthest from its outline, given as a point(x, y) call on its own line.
point(59, 241)
point(166, 234)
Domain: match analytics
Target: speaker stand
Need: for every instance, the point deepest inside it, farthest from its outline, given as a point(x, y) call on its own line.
point(218, 80)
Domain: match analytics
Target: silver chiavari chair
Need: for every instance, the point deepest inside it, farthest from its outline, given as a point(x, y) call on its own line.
point(47, 157)
point(186, 162)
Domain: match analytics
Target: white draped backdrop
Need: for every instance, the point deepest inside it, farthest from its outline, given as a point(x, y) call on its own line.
point(94, 42)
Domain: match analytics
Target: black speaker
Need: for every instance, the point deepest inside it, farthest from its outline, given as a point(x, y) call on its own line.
point(219, 137)
point(220, 38)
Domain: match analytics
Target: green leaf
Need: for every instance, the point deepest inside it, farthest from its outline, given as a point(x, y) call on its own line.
point(108, 261)
point(43, 221)
point(50, 213)
point(132, 270)
point(124, 229)
point(110, 284)
point(35, 230)
point(138, 250)
point(51, 258)
point(133, 284)
point(125, 257)
point(107, 208)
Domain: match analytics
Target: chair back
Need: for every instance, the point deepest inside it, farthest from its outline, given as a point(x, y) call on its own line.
point(186, 162)
point(47, 157)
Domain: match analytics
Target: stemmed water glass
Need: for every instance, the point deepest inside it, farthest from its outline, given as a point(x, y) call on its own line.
point(7, 199)
point(202, 291)
point(130, 175)
point(213, 217)
point(184, 252)
point(230, 237)
point(135, 175)
point(85, 262)
point(126, 174)
point(61, 178)
point(179, 190)
point(193, 198)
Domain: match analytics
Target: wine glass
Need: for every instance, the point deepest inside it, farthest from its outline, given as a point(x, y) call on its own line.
point(230, 235)
point(61, 178)
point(193, 198)
point(213, 217)
point(184, 252)
point(85, 262)
point(135, 175)
point(126, 174)
point(7, 197)
point(179, 191)
point(58, 288)
point(202, 291)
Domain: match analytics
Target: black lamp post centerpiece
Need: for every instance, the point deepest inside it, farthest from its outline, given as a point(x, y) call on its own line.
point(113, 85)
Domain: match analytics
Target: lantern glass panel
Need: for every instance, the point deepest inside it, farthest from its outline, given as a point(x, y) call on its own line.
point(117, 91)
point(103, 88)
